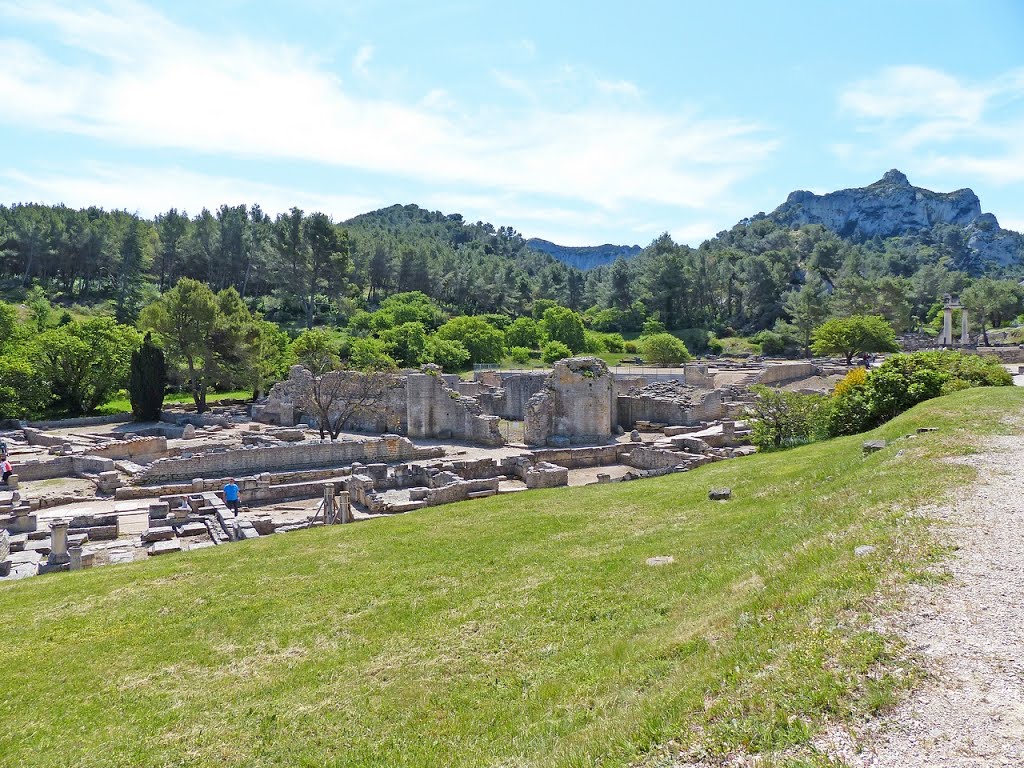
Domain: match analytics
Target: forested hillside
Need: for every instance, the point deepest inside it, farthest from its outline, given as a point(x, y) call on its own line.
point(235, 296)
point(301, 268)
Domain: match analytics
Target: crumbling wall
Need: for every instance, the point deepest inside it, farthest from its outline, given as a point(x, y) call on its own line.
point(575, 405)
point(435, 410)
point(61, 466)
point(246, 461)
point(282, 406)
point(509, 392)
point(668, 402)
point(778, 373)
point(146, 448)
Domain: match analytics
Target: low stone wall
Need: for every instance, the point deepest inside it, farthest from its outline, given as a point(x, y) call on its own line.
point(641, 457)
point(1003, 354)
point(62, 466)
point(577, 458)
point(248, 461)
point(82, 421)
point(778, 373)
point(660, 410)
point(459, 491)
point(146, 448)
point(544, 474)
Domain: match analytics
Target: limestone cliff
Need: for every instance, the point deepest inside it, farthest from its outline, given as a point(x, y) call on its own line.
point(892, 207)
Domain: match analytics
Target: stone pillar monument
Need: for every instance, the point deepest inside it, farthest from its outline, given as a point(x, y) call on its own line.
point(58, 543)
point(344, 507)
point(949, 303)
point(965, 337)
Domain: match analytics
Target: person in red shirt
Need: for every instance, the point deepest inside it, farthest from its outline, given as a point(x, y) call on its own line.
point(6, 470)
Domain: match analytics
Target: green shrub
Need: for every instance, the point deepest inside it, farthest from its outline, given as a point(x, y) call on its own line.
point(782, 419)
point(450, 355)
point(902, 381)
point(652, 327)
point(771, 343)
point(663, 349)
point(614, 342)
point(593, 343)
point(629, 347)
point(553, 351)
point(520, 355)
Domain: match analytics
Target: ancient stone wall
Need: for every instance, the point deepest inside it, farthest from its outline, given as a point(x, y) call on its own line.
point(435, 410)
point(575, 405)
point(247, 461)
point(510, 392)
point(696, 407)
point(642, 457)
point(778, 373)
point(146, 448)
point(61, 466)
point(282, 406)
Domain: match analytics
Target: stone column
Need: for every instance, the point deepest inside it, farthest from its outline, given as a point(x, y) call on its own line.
point(329, 510)
point(58, 543)
point(728, 430)
point(947, 328)
point(965, 337)
point(344, 507)
point(75, 554)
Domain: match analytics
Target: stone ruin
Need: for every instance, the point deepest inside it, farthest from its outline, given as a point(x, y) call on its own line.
point(163, 483)
point(574, 406)
point(425, 404)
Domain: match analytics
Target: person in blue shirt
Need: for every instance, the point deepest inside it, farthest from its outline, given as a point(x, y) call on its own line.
point(231, 494)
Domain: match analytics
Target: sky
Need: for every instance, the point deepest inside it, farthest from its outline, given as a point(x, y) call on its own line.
point(579, 122)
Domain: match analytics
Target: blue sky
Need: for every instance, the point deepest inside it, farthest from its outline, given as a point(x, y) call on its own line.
point(582, 123)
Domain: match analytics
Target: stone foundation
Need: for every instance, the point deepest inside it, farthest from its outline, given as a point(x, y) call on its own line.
point(246, 461)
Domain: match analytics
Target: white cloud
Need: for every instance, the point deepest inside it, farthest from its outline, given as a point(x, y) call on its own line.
point(361, 61)
point(933, 124)
point(149, 191)
point(619, 87)
point(914, 91)
point(139, 80)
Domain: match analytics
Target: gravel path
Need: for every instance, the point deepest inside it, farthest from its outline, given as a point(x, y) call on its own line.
point(969, 631)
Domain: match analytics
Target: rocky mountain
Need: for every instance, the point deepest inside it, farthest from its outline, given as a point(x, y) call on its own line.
point(892, 207)
point(584, 257)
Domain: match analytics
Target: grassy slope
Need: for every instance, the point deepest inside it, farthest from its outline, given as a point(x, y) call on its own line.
point(522, 630)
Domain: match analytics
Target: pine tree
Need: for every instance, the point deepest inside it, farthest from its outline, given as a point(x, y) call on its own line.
point(147, 380)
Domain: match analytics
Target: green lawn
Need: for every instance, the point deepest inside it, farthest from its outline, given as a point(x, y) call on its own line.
point(121, 403)
point(512, 631)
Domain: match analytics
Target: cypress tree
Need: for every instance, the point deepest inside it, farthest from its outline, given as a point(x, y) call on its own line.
point(147, 380)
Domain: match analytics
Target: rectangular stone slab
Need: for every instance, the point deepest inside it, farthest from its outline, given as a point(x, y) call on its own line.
point(164, 547)
point(162, 533)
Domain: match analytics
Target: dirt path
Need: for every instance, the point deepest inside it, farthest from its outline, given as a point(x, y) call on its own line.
point(969, 631)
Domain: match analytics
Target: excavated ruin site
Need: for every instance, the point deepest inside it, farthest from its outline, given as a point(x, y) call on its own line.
point(96, 491)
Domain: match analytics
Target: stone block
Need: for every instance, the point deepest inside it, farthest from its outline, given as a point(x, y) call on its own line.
point(159, 510)
point(191, 529)
point(164, 547)
point(132, 523)
point(872, 446)
point(406, 506)
point(162, 533)
point(720, 494)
